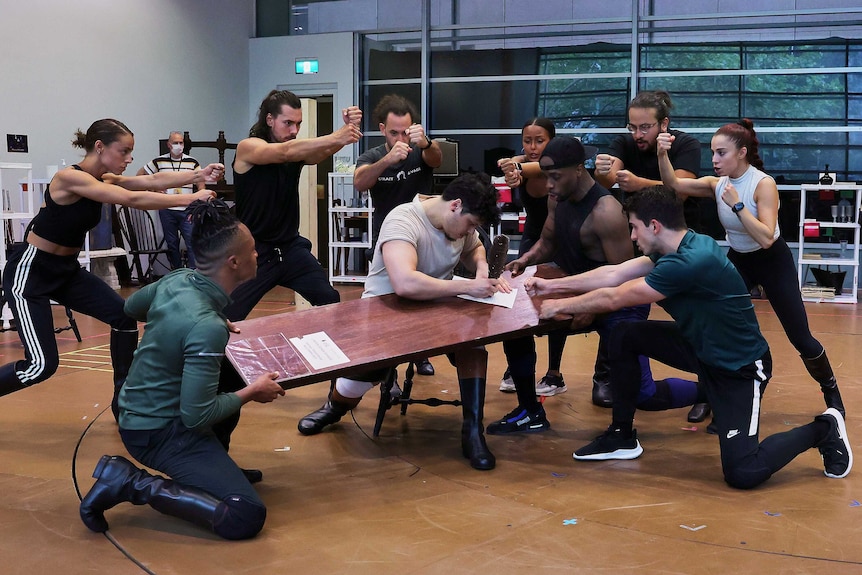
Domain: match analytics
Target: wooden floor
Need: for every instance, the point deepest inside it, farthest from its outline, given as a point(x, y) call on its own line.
point(407, 502)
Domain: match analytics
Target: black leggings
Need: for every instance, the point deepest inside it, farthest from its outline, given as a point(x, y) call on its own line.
point(773, 268)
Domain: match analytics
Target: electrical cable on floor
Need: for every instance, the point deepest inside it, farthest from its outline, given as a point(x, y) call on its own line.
point(107, 534)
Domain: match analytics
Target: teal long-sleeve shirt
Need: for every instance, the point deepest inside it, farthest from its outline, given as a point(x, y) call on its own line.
point(175, 371)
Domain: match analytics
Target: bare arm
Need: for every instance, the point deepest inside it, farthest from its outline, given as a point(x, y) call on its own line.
point(515, 170)
point(603, 300)
point(543, 250)
point(606, 170)
point(70, 183)
point(256, 151)
point(476, 260)
point(367, 175)
point(401, 263)
point(432, 155)
point(601, 277)
point(684, 187)
point(609, 223)
point(165, 180)
point(198, 185)
point(760, 228)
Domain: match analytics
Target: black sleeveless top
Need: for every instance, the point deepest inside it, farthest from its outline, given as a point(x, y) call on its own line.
point(568, 219)
point(537, 212)
point(66, 225)
point(267, 201)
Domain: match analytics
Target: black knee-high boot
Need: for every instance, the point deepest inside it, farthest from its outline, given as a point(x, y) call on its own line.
point(123, 346)
point(9, 382)
point(821, 370)
point(118, 481)
point(472, 431)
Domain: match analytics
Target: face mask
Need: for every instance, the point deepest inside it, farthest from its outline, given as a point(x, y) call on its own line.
point(176, 149)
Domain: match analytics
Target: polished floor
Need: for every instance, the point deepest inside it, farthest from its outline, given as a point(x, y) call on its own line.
point(407, 502)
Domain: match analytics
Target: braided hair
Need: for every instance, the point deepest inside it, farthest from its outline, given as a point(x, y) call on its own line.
point(214, 230)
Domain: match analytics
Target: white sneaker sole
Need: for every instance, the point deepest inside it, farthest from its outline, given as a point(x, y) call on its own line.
point(551, 391)
point(633, 453)
point(842, 430)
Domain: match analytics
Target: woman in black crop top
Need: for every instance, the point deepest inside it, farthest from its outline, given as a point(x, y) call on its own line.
point(46, 266)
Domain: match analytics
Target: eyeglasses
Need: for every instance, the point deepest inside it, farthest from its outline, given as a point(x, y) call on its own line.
point(643, 128)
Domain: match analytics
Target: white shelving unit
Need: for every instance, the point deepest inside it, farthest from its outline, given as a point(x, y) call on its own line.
point(817, 254)
point(19, 205)
point(350, 217)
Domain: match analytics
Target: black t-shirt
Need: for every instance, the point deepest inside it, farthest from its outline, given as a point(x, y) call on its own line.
point(684, 154)
point(397, 184)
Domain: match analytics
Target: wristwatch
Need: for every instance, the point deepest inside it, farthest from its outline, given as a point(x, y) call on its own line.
point(427, 139)
point(737, 207)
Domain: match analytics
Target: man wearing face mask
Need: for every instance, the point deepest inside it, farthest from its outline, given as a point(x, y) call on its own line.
point(173, 220)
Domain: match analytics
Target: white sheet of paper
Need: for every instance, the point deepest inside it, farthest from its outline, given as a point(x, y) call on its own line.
point(319, 350)
point(506, 300)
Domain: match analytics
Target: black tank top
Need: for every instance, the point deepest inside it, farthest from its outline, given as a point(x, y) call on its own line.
point(66, 225)
point(537, 212)
point(568, 219)
point(267, 201)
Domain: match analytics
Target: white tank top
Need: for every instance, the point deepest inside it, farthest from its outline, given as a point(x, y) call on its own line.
point(737, 236)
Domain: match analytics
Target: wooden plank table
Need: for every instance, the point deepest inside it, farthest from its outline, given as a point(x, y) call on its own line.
point(383, 331)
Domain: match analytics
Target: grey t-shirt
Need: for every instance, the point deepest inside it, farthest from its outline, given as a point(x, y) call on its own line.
point(437, 255)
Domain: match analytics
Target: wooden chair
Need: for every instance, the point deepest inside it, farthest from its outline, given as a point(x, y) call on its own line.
point(391, 394)
point(139, 233)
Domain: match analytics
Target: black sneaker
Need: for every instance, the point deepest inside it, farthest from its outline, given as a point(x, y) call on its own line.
point(834, 448)
point(611, 445)
point(519, 420)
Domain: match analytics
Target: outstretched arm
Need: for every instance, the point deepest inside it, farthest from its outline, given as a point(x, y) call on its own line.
point(257, 151)
point(401, 261)
point(603, 300)
point(128, 190)
point(684, 187)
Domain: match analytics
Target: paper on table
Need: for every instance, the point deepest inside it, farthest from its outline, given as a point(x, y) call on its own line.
point(319, 349)
point(506, 300)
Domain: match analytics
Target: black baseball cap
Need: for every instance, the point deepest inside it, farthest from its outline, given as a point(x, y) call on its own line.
point(565, 151)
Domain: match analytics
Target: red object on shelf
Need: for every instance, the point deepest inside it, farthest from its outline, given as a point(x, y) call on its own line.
point(811, 229)
point(504, 193)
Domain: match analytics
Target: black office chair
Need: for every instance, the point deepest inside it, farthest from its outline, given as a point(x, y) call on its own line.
point(139, 234)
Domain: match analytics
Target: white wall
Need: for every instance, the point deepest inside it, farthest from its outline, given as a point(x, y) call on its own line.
point(272, 65)
point(156, 65)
